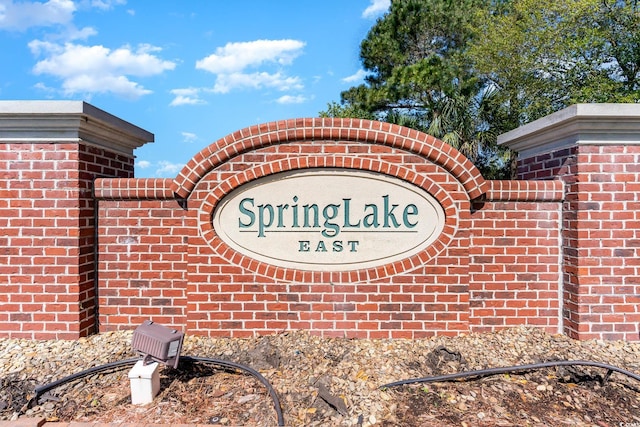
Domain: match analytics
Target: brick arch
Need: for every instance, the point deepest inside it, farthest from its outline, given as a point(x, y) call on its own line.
point(223, 188)
point(295, 130)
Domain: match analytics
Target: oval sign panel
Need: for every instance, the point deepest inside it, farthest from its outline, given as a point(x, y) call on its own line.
point(328, 219)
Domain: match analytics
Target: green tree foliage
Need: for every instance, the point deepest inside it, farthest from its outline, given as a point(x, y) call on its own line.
point(467, 70)
point(347, 111)
point(420, 77)
point(544, 55)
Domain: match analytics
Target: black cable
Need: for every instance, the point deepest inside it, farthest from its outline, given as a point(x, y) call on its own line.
point(225, 363)
point(45, 388)
point(510, 369)
point(256, 374)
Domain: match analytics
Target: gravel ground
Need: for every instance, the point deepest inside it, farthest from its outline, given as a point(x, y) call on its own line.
point(333, 381)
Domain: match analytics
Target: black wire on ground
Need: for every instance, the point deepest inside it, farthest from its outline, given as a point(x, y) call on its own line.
point(256, 374)
point(511, 369)
point(39, 391)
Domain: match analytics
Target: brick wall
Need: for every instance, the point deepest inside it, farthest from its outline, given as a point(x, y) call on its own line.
point(593, 149)
point(237, 298)
point(463, 283)
point(144, 235)
point(47, 218)
point(601, 237)
point(606, 295)
point(49, 158)
point(556, 249)
point(515, 274)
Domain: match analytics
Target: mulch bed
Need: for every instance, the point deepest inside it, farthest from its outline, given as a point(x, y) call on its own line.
point(332, 381)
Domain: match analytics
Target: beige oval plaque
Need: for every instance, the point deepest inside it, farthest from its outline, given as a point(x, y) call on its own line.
point(328, 219)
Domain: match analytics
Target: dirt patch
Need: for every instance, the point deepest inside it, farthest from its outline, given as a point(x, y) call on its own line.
point(533, 399)
point(332, 381)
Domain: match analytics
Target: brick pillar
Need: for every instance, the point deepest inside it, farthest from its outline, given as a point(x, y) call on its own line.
point(50, 154)
point(595, 150)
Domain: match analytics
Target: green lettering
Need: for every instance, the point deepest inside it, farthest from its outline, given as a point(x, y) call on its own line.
point(261, 218)
point(295, 212)
point(347, 221)
point(388, 214)
point(247, 212)
point(311, 208)
point(304, 246)
point(409, 210)
point(331, 229)
point(281, 209)
point(371, 219)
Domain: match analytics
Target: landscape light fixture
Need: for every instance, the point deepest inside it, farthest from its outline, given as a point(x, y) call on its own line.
point(157, 343)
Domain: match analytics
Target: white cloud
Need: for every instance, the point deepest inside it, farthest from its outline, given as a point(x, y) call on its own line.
point(97, 69)
point(24, 15)
point(358, 76)
point(226, 82)
point(189, 137)
point(185, 100)
point(289, 99)
point(166, 168)
point(163, 168)
point(231, 62)
point(72, 33)
point(106, 4)
point(377, 7)
point(235, 57)
point(49, 91)
point(187, 96)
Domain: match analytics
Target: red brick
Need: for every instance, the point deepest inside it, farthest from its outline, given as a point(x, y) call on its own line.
point(155, 261)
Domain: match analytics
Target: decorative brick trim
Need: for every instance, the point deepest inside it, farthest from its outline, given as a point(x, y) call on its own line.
point(134, 189)
point(540, 191)
point(287, 274)
point(363, 131)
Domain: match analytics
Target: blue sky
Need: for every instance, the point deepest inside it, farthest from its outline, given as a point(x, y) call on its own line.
point(188, 71)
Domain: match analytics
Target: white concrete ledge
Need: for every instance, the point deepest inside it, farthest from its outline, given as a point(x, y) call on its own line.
point(68, 121)
point(579, 124)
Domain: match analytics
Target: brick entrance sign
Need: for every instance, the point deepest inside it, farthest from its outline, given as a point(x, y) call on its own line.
point(343, 227)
